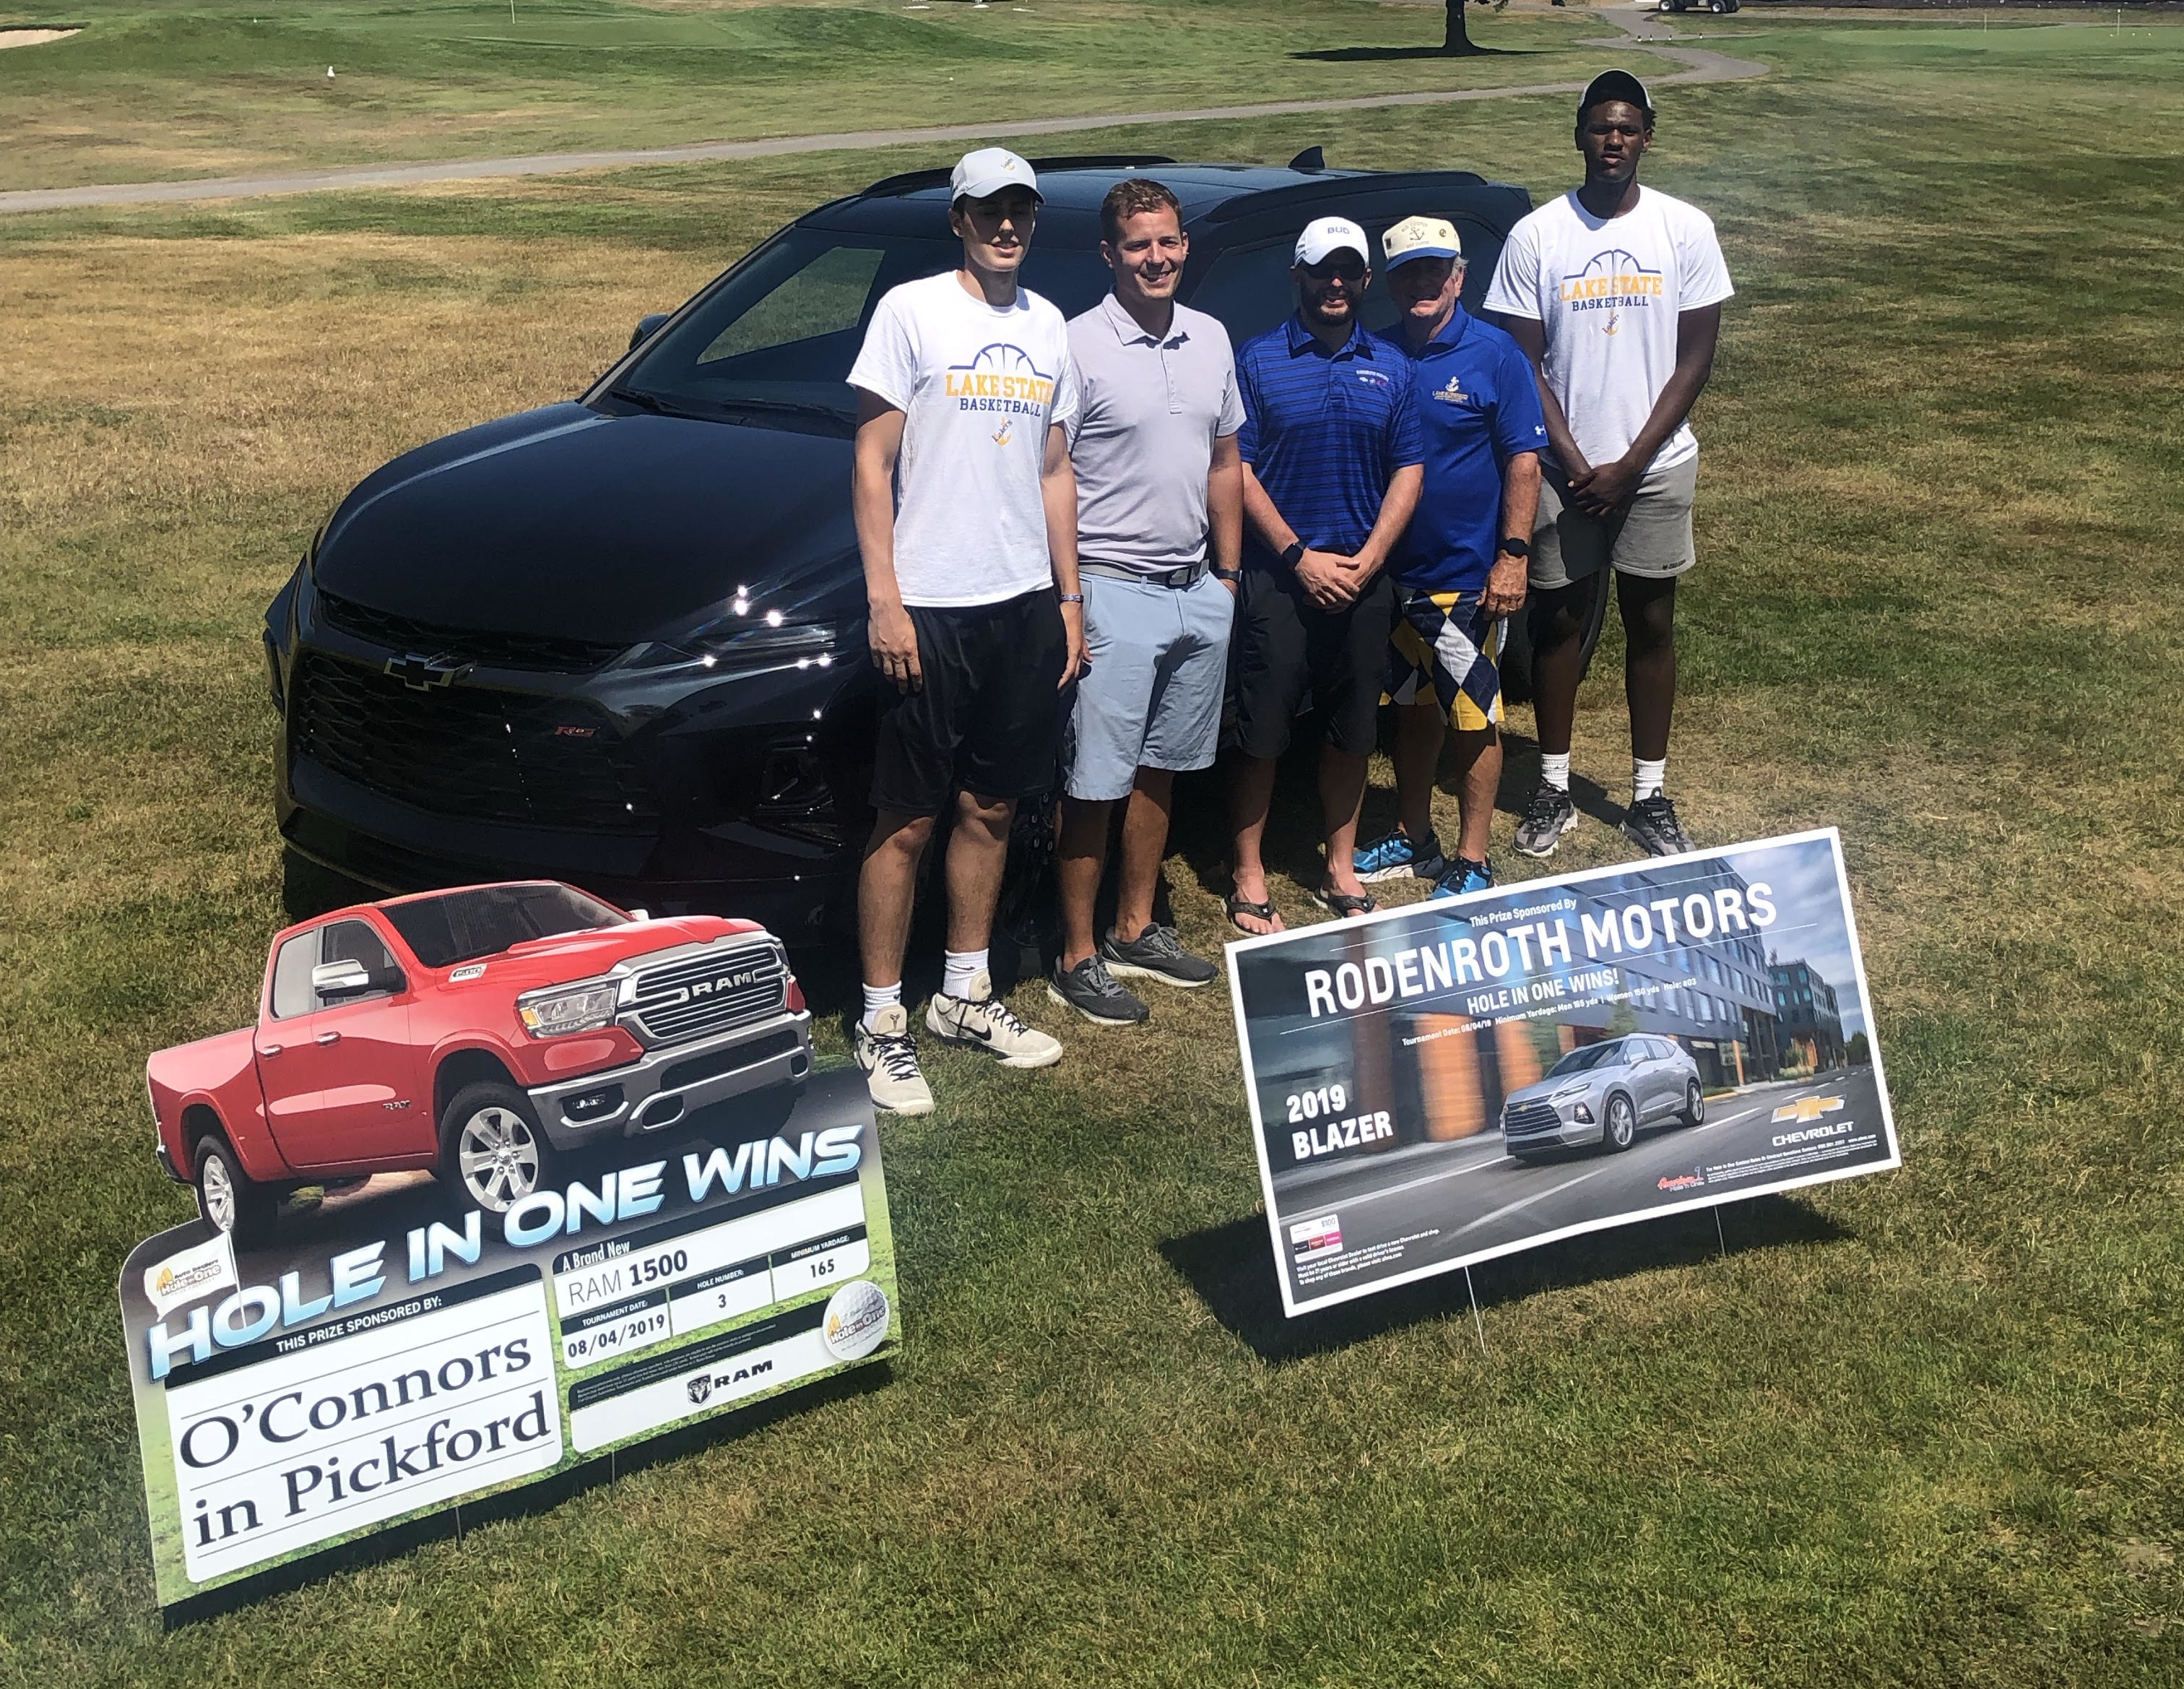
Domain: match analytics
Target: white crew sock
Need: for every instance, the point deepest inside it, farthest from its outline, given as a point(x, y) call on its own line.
point(1554, 771)
point(878, 997)
point(956, 969)
point(1646, 779)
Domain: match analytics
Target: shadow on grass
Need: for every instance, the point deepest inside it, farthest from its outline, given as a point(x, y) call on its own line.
point(1374, 55)
point(1231, 1267)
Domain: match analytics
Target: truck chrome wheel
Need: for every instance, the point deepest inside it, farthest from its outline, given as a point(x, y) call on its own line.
point(498, 1151)
point(219, 1194)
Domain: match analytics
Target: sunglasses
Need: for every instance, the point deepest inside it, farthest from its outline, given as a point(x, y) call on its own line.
point(1336, 268)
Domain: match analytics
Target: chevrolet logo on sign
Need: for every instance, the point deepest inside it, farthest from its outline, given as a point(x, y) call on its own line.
point(1808, 1108)
point(421, 673)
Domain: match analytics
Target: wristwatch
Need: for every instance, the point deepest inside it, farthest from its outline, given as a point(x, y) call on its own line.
point(1516, 548)
point(1072, 598)
point(1226, 574)
point(1294, 555)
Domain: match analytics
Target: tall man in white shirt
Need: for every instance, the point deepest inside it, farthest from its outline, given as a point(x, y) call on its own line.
point(1614, 292)
point(966, 511)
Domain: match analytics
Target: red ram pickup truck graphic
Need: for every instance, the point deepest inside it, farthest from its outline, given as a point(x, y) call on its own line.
point(478, 1033)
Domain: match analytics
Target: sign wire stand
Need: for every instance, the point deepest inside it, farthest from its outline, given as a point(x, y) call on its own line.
point(1478, 1324)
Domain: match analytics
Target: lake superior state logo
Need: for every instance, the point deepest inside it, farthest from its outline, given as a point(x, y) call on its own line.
point(1453, 393)
point(1612, 282)
point(1000, 380)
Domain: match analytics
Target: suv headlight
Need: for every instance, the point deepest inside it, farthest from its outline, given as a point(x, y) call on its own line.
point(568, 1008)
point(746, 638)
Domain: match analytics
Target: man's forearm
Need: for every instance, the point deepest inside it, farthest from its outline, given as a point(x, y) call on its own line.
point(1697, 333)
point(1531, 338)
point(1397, 505)
point(871, 501)
point(1057, 491)
point(1520, 496)
point(1224, 517)
point(1267, 522)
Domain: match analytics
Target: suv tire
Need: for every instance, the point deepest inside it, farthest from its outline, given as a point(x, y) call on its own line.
point(1694, 1105)
point(492, 1151)
point(228, 1198)
point(1620, 1130)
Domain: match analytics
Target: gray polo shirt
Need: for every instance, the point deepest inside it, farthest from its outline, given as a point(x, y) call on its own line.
point(1149, 411)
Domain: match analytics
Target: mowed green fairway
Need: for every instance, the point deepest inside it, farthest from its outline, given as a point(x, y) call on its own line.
point(211, 87)
point(1921, 1429)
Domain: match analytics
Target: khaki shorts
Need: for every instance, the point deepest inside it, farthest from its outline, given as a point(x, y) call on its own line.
point(1651, 538)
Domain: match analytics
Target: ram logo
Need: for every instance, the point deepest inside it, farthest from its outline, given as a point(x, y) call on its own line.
point(698, 989)
point(700, 1387)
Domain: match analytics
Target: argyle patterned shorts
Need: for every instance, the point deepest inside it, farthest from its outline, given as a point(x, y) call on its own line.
point(1445, 641)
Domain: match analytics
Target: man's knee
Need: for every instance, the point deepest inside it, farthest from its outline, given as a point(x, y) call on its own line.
point(989, 815)
point(1559, 615)
point(900, 834)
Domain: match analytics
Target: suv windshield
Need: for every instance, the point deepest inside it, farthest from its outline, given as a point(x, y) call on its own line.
point(780, 333)
point(1591, 1055)
point(463, 926)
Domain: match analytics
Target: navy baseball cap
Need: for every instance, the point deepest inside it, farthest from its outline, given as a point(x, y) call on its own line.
point(1614, 85)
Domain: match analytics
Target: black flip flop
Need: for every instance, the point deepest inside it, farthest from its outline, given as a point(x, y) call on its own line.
point(1238, 905)
point(1343, 903)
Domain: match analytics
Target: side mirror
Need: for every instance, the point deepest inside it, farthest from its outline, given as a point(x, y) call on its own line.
point(640, 914)
point(332, 981)
point(647, 327)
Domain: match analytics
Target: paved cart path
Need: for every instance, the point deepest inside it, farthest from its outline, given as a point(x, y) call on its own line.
point(1640, 30)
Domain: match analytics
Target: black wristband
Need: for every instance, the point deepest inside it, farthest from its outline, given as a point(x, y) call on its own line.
point(1226, 574)
point(1294, 555)
point(1516, 548)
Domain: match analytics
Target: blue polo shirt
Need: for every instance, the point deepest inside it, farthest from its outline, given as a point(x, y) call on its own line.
point(1479, 406)
point(1325, 431)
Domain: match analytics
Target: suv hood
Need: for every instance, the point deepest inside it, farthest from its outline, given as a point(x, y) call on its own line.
point(570, 523)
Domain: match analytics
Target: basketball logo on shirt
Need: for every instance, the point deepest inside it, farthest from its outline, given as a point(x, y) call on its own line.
point(1003, 434)
point(1002, 379)
point(1613, 282)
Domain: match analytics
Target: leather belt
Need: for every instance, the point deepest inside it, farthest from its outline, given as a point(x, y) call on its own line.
point(1156, 578)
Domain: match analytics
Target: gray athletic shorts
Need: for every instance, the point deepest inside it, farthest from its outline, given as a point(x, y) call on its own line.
point(1160, 656)
point(1651, 538)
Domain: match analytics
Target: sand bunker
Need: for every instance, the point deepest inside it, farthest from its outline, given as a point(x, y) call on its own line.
point(34, 37)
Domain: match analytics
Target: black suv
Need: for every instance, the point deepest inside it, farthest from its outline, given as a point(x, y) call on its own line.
point(621, 641)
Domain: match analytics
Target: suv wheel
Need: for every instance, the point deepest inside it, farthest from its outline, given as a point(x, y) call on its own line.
point(1694, 1106)
point(230, 1198)
point(492, 1151)
point(1621, 1130)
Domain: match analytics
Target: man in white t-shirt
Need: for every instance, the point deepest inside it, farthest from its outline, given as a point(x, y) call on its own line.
point(1614, 292)
point(966, 509)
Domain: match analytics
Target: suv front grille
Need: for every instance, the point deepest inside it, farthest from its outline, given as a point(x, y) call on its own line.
point(404, 633)
point(1524, 1119)
point(469, 752)
point(709, 993)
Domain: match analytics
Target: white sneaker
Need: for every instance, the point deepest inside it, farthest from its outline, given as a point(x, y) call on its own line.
point(890, 1060)
point(984, 1022)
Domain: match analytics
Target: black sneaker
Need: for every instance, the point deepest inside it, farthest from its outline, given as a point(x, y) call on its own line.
point(1091, 991)
point(1651, 824)
point(1548, 816)
point(1156, 953)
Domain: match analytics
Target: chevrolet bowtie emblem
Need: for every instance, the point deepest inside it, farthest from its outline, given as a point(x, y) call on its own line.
point(422, 674)
point(1808, 1108)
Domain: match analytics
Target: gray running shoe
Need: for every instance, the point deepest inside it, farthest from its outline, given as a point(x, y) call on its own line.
point(1090, 990)
point(1156, 953)
point(1550, 814)
point(1651, 824)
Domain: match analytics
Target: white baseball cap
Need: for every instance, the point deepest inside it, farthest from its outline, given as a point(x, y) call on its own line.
point(1323, 239)
point(1421, 237)
point(988, 171)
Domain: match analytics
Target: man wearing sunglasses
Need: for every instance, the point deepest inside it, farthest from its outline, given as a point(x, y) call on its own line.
point(1332, 461)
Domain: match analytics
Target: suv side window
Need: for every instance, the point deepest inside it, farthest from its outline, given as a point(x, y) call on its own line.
point(291, 977)
point(356, 941)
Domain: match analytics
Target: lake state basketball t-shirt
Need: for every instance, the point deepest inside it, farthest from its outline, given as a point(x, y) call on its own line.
point(1608, 290)
point(978, 387)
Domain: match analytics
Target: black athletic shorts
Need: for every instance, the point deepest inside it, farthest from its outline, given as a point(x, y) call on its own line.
point(988, 719)
point(1288, 648)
